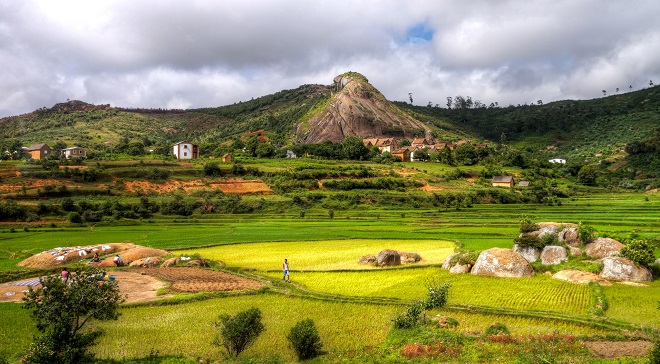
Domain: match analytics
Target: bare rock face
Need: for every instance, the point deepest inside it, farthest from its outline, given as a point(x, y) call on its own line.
point(552, 255)
point(569, 235)
point(603, 247)
point(578, 276)
point(622, 269)
point(170, 262)
point(460, 268)
point(198, 263)
point(407, 257)
point(500, 262)
point(447, 263)
point(530, 253)
point(548, 230)
point(149, 262)
point(388, 257)
point(574, 251)
point(367, 259)
point(357, 108)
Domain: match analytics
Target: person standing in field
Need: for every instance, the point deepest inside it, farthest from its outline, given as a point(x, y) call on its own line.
point(285, 268)
point(65, 275)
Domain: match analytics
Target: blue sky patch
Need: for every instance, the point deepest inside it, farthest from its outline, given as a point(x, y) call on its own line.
point(419, 33)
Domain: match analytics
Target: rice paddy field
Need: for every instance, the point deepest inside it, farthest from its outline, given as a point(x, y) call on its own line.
point(352, 305)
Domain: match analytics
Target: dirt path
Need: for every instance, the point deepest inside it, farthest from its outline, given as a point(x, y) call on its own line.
point(618, 349)
point(142, 285)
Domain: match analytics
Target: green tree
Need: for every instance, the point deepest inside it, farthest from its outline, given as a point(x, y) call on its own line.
point(237, 144)
point(353, 148)
point(404, 143)
point(587, 175)
point(251, 145)
point(264, 149)
point(61, 312)
point(305, 339)
point(240, 331)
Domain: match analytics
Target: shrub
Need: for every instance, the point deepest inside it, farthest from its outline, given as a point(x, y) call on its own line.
point(654, 354)
point(639, 251)
point(496, 329)
point(438, 294)
point(75, 218)
point(212, 170)
point(526, 241)
point(526, 225)
point(411, 317)
point(305, 340)
point(240, 331)
point(550, 239)
point(586, 233)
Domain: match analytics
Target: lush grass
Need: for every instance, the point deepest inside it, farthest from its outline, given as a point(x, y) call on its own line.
point(538, 293)
point(634, 304)
point(319, 255)
point(16, 329)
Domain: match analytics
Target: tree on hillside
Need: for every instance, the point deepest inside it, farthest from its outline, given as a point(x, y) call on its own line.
point(251, 145)
point(353, 148)
point(403, 143)
point(264, 149)
point(61, 311)
point(587, 175)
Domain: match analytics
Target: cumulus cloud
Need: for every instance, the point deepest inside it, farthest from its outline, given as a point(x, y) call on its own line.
point(203, 53)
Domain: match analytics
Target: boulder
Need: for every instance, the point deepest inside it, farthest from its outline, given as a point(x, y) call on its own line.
point(447, 263)
point(622, 269)
point(500, 262)
point(574, 251)
point(367, 259)
point(530, 253)
point(578, 276)
point(170, 262)
point(460, 268)
point(548, 230)
point(149, 262)
point(569, 236)
point(388, 257)
point(553, 254)
point(198, 263)
point(603, 247)
point(657, 261)
point(409, 257)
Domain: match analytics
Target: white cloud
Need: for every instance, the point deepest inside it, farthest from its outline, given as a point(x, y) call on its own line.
point(201, 53)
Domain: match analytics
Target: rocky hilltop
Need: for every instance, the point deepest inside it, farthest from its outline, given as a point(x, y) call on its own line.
point(355, 107)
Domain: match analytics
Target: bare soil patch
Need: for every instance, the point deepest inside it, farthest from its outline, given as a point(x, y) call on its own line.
point(31, 184)
point(142, 284)
point(194, 280)
point(617, 349)
point(238, 186)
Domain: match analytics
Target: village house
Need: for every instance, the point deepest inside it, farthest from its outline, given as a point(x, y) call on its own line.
point(185, 150)
point(291, 154)
point(402, 153)
point(558, 160)
point(419, 143)
point(523, 184)
point(226, 158)
point(503, 181)
point(73, 152)
point(38, 151)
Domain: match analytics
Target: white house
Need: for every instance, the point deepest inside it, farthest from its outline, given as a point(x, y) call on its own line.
point(291, 154)
point(73, 152)
point(558, 160)
point(185, 150)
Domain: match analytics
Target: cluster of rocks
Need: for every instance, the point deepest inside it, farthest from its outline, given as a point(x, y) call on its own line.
point(389, 257)
point(516, 262)
point(153, 262)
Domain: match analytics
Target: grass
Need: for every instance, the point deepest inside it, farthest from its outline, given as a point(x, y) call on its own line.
point(634, 304)
point(319, 255)
point(540, 293)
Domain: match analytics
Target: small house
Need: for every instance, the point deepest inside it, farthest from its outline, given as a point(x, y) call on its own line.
point(369, 142)
point(73, 152)
point(387, 145)
point(558, 160)
point(226, 158)
point(291, 154)
point(402, 153)
point(419, 143)
point(38, 151)
point(185, 150)
point(523, 184)
point(503, 181)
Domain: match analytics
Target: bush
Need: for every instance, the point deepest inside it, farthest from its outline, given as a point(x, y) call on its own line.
point(639, 251)
point(586, 233)
point(410, 318)
point(305, 340)
point(75, 218)
point(654, 354)
point(438, 294)
point(527, 241)
point(240, 331)
point(497, 329)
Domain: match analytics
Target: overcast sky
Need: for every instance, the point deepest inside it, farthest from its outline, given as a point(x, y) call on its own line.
point(207, 53)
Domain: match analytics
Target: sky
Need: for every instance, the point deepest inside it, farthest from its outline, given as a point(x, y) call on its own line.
point(209, 53)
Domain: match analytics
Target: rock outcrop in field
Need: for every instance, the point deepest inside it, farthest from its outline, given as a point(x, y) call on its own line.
point(622, 269)
point(603, 247)
point(500, 262)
